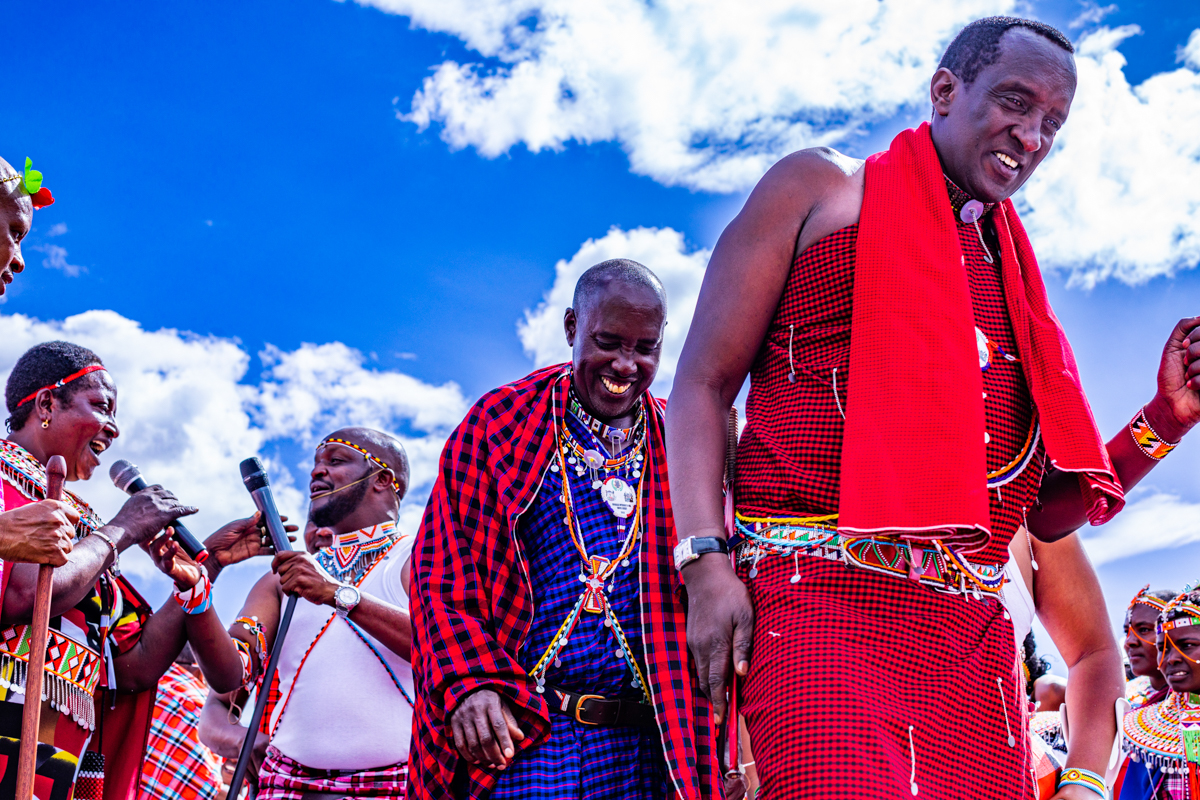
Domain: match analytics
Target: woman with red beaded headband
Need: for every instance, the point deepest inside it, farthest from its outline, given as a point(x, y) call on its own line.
point(1162, 740)
point(107, 650)
point(1141, 621)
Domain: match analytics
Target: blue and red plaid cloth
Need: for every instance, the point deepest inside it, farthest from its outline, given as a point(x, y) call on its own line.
point(581, 760)
point(177, 765)
point(473, 607)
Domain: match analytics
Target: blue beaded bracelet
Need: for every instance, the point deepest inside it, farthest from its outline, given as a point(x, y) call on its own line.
point(1074, 776)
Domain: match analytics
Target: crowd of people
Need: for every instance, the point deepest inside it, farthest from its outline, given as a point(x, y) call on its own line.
point(834, 599)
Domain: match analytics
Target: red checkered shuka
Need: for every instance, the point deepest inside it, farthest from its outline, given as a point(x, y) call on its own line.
point(472, 602)
point(844, 660)
point(177, 765)
point(283, 778)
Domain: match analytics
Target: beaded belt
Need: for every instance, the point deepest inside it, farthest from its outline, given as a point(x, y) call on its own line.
point(931, 564)
point(72, 672)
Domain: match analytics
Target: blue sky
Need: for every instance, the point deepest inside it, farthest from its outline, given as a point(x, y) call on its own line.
point(235, 178)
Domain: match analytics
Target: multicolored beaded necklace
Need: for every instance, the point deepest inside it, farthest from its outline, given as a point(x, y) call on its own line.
point(28, 476)
point(595, 570)
point(351, 555)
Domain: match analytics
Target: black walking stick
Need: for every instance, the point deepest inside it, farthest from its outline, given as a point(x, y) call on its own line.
point(255, 478)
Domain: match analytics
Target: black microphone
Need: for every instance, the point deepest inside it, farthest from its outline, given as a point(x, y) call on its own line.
point(254, 475)
point(129, 479)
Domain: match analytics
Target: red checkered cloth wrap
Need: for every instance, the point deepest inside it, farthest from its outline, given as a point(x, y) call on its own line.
point(178, 766)
point(913, 343)
point(472, 603)
point(282, 778)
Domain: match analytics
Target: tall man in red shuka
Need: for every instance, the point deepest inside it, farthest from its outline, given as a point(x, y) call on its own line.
point(913, 402)
point(548, 636)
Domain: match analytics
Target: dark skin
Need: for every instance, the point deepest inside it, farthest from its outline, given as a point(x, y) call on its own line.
point(1140, 646)
point(1180, 652)
point(1014, 108)
point(616, 341)
point(297, 573)
point(80, 429)
point(16, 219)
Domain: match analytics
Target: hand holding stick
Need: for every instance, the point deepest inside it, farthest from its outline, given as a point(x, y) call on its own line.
point(56, 473)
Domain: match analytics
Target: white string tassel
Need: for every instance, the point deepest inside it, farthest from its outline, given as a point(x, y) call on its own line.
point(837, 399)
point(796, 561)
point(987, 254)
point(912, 753)
point(1012, 742)
point(791, 363)
point(1029, 541)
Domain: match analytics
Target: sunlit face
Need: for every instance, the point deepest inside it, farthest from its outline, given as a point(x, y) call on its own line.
point(337, 483)
point(1181, 651)
point(616, 344)
point(995, 131)
point(81, 428)
point(16, 219)
point(1139, 640)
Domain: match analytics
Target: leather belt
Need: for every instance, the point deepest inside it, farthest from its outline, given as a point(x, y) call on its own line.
point(592, 709)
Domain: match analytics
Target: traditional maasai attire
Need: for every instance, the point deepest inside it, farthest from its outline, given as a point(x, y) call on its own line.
point(492, 581)
point(343, 720)
point(1157, 767)
point(1140, 692)
point(178, 766)
point(897, 424)
point(79, 666)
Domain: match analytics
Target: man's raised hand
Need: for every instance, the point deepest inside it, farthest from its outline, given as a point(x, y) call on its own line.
point(1176, 408)
point(239, 540)
point(720, 625)
point(484, 730)
point(38, 533)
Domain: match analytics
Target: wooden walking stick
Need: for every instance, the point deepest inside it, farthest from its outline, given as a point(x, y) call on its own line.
point(39, 632)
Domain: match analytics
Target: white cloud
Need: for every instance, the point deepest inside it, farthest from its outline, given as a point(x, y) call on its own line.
point(1092, 14)
point(664, 251)
point(1117, 197)
point(188, 418)
point(58, 229)
point(56, 258)
point(1157, 522)
point(701, 93)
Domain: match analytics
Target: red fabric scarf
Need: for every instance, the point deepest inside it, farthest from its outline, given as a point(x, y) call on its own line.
point(913, 456)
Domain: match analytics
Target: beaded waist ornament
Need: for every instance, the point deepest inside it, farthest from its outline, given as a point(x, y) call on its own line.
point(932, 563)
point(72, 672)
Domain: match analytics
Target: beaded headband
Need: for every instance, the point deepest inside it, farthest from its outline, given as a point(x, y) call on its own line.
point(66, 380)
point(31, 182)
point(366, 454)
point(1144, 598)
point(1187, 603)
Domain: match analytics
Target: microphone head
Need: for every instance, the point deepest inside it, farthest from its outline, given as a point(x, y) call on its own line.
point(123, 473)
point(254, 474)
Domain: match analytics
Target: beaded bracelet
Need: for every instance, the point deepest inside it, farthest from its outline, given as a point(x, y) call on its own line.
point(104, 537)
point(197, 599)
point(1147, 440)
point(255, 628)
point(1075, 776)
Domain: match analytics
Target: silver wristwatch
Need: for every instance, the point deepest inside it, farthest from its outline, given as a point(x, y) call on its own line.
point(345, 599)
point(693, 547)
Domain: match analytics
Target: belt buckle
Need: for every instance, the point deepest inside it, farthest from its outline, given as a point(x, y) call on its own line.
point(579, 707)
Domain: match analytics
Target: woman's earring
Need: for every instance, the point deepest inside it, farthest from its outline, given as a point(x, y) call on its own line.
point(46, 423)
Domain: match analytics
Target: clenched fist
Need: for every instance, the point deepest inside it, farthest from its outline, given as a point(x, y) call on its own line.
point(38, 533)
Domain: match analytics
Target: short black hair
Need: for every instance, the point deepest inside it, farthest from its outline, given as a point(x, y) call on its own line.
point(977, 46)
point(44, 365)
point(616, 269)
point(1035, 664)
point(387, 448)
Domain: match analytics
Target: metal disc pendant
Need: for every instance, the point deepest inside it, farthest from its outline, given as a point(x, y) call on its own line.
point(971, 211)
point(593, 459)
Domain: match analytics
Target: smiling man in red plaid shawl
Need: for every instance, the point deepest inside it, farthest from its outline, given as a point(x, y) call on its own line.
point(548, 637)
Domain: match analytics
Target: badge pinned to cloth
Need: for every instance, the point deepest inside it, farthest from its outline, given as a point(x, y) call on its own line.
point(620, 496)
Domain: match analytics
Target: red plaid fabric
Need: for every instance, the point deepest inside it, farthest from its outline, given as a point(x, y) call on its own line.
point(177, 765)
point(282, 778)
point(472, 604)
point(914, 338)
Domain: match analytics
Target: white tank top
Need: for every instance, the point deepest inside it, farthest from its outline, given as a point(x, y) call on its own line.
point(345, 712)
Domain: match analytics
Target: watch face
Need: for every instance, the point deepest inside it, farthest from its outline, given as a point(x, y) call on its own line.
point(346, 595)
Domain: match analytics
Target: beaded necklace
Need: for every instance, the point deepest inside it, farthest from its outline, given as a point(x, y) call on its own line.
point(596, 570)
point(28, 476)
point(351, 555)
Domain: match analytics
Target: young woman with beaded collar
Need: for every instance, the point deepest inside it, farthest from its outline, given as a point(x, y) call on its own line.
point(104, 638)
point(1162, 740)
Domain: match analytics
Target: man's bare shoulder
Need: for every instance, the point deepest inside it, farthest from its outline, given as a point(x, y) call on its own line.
point(816, 168)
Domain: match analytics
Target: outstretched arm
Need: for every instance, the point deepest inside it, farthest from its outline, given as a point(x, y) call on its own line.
point(1174, 410)
point(1067, 595)
point(741, 290)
